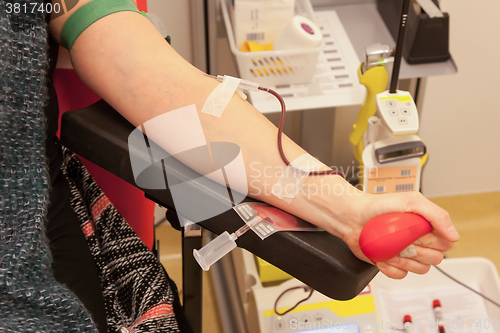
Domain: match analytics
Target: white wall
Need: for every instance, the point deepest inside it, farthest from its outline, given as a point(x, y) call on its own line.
point(176, 17)
point(460, 115)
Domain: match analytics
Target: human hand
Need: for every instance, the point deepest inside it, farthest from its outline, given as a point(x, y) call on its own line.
point(347, 210)
point(430, 248)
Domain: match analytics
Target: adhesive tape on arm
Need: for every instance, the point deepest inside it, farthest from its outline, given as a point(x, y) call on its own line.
point(294, 177)
point(300, 33)
point(218, 100)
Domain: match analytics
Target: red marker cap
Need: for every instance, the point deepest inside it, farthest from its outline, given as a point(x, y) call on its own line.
point(436, 303)
point(407, 319)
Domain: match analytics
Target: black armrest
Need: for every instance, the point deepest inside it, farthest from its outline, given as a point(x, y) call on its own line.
point(319, 259)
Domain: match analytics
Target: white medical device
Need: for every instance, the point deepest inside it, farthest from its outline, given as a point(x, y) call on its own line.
point(398, 112)
point(318, 314)
point(392, 155)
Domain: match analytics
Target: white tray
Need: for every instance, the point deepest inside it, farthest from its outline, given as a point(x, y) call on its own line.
point(275, 67)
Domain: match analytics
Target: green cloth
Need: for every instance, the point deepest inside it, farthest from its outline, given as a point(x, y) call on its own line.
point(90, 13)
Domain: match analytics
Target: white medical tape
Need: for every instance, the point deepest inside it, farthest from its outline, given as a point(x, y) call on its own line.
point(219, 98)
point(294, 176)
point(409, 252)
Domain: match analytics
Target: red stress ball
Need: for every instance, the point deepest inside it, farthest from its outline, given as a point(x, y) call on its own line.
point(385, 236)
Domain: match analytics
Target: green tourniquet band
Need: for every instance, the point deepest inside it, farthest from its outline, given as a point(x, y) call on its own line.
point(90, 13)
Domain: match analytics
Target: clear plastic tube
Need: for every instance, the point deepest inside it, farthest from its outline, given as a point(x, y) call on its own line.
point(216, 249)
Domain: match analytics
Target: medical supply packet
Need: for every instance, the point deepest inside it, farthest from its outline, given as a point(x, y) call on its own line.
point(265, 220)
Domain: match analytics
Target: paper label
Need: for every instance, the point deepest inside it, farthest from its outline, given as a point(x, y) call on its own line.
point(392, 179)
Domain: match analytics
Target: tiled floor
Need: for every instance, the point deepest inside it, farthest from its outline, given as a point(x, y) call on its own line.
point(477, 218)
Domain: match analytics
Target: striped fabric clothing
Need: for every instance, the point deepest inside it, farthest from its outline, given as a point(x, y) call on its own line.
point(137, 293)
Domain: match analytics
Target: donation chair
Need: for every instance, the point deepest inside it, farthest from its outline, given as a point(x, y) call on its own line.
point(318, 259)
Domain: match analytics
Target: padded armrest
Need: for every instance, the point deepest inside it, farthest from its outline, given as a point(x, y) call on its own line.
point(319, 259)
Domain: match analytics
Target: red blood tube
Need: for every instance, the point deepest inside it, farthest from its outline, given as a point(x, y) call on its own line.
point(438, 312)
point(407, 319)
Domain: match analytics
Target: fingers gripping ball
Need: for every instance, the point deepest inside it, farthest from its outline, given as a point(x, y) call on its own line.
point(385, 236)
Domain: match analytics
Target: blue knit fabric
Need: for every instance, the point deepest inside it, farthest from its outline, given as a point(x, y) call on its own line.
point(30, 298)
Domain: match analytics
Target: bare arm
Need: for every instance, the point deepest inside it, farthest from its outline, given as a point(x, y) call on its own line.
point(126, 61)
